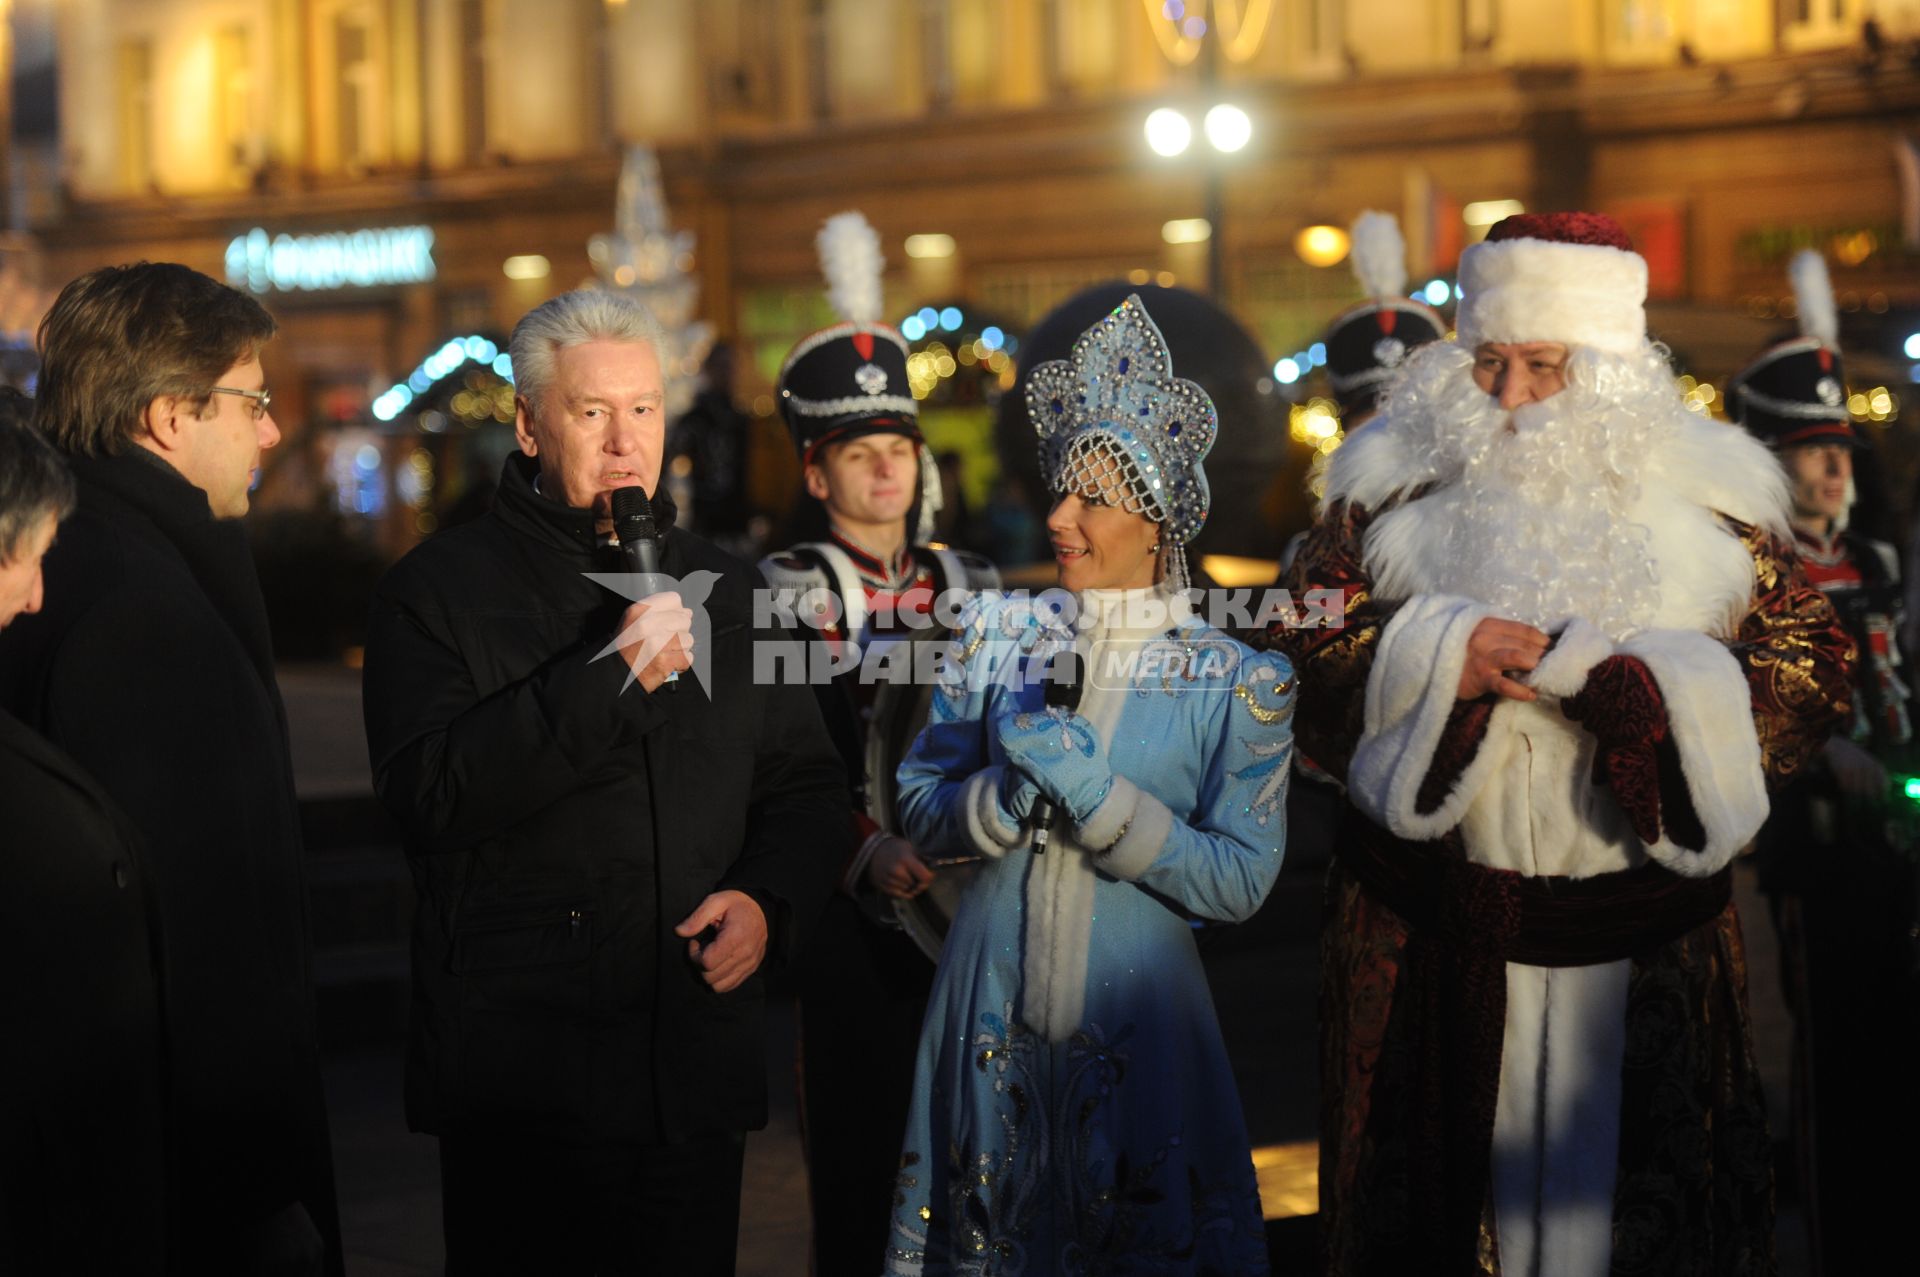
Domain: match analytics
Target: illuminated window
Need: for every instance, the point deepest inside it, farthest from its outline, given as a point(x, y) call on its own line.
point(1086, 45)
point(1807, 24)
point(745, 64)
point(473, 79)
point(973, 51)
point(233, 77)
point(354, 84)
point(1641, 29)
point(136, 114)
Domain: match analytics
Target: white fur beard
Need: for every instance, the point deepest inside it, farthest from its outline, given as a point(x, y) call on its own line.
point(1535, 506)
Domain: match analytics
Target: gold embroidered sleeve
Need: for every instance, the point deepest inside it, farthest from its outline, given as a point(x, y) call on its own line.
point(1332, 661)
point(1797, 656)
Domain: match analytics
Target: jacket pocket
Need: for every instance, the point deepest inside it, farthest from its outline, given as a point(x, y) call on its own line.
point(532, 956)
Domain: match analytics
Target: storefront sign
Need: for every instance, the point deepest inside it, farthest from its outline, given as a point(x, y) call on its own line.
point(284, 263)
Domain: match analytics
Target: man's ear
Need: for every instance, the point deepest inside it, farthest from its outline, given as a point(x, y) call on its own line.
point(164, 422)
point(816, 481)
point(523, 426)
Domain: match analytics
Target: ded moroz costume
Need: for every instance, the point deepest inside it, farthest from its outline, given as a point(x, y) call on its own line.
point(1535, 1049)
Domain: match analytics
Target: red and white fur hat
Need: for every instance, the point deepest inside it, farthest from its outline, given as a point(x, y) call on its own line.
point(1564, 277)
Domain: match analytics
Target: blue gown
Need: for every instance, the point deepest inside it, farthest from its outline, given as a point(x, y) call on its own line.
point(1074, 1112)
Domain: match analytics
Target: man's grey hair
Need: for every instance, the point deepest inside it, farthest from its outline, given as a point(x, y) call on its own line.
point(34, 481)
point(573, 319)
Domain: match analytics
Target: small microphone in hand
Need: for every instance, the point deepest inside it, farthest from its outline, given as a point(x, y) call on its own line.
point(638, 530)
point(1063, 692)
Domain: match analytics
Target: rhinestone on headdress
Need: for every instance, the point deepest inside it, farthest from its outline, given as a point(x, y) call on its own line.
point(1119, 386)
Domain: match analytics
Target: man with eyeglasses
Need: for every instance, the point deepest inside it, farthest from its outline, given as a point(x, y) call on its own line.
point(151, 666)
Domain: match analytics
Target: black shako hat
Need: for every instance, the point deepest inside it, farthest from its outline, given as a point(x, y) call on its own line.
point(849, 379)
point(846, 381)
point(1367, 344)
point(1796, 391)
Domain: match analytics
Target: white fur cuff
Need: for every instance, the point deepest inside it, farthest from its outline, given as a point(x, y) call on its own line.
point(1710, 717)
point(1411, 690)
point(1127, 831)
point(986, 823)
point(1577, 648)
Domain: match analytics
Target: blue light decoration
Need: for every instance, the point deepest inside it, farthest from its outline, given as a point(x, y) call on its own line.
point(1437, 292)
point(992, 338)
point(1286, 372)
point(927, 316)
point(1317, 353)
point(1913, 346)
point(912, 328)
point(951, 319)
point(443, 362)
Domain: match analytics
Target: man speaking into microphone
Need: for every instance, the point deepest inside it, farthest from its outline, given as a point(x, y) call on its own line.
point(600, 867)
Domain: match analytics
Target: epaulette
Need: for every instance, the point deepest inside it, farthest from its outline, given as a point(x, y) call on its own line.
point(787, 571)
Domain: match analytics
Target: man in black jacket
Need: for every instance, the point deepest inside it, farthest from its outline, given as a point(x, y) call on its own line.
point(601, 868)
point(150, 665)
point(82, 1177)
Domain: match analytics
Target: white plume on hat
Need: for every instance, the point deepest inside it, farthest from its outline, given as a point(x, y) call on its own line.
point(1813, 294)
point(1379, 254)
point(850, 259)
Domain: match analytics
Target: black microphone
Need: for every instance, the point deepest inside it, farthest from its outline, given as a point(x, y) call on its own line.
point(636, 525)
point(1063, 692)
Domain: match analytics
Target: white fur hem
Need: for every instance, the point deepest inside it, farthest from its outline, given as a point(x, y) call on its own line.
point(1710, 716)
point(1127, 831)
point(1411, 689)
point(1058, 937)
point(986, 823)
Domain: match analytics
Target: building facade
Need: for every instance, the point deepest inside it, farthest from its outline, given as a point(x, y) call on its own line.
point(438, 166)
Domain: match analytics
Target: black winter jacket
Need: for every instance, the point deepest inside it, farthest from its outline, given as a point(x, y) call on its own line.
point(151, 666)
point(83, 1184)
point(560, 827)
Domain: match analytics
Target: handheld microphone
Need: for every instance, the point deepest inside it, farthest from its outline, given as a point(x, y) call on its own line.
point(638, 531)
point(1063, 692)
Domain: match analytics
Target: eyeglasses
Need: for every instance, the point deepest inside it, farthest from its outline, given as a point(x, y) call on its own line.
point(261, 398)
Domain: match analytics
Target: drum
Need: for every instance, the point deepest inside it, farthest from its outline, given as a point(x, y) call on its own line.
point(899, 712)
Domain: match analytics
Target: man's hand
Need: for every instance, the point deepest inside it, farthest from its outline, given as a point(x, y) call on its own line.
point(896, 869)
point(739, 942)
point(658, 638)
point(1496, 650)
point(1858, 773)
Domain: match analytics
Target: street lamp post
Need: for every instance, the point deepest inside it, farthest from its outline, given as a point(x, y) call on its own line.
point(1227, 129)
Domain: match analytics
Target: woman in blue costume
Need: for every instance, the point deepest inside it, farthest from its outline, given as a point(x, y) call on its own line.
point(1074, 1112)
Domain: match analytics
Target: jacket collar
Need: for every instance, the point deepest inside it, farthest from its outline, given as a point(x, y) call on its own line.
point(139, 486)
point(522, 507)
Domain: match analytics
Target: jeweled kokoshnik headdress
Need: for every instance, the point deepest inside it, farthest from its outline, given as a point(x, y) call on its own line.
point(1116, 409)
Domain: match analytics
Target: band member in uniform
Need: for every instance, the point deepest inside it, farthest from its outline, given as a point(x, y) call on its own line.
point(1839, 871)
point(1367, 343)
point(863, 983)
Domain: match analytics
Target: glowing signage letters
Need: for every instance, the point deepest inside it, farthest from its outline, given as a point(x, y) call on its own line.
point(285, 263)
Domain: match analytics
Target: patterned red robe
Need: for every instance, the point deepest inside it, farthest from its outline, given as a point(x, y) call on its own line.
point(1693, 1186)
